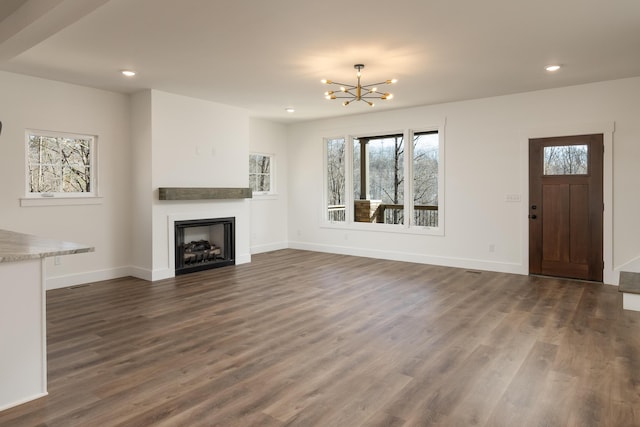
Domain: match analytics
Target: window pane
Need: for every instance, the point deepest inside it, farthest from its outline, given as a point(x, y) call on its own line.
point(260, 173)
point(263, 182)
point(356, 170)
point(425, 179)
point(59, 164)
point(336, 179)
point(259, 163)
point(566, 160)
point(380, 195)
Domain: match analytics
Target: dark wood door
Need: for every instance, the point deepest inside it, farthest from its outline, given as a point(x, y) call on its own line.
point(566, 206)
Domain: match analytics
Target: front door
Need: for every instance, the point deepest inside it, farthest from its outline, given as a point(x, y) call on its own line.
point(566, 207)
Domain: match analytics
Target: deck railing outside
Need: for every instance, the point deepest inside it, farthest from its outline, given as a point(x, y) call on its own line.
point(424, 215)
point(337, 213)
point(386, 213)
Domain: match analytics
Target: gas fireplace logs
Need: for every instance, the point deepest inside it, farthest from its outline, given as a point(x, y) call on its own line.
point(200, 251)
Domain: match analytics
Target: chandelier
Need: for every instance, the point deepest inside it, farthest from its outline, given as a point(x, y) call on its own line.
point(358, 92)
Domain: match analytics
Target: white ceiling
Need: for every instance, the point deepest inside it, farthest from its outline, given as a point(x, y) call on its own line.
point(265, 55)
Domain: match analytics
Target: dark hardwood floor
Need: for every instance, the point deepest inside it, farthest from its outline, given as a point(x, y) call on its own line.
point(310, 339)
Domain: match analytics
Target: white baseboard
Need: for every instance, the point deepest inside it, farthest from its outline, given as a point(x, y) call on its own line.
point(88, 277)
point(632, 266)
point(115, 273)
point(145, 274)
point(165, 273)
point(631, 301)
point(243, 259)
point(474, 264)
point(258, 249)
point(22, 401)
point(140, 273)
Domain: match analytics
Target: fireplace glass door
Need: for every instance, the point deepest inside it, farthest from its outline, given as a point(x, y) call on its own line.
point(202, 244)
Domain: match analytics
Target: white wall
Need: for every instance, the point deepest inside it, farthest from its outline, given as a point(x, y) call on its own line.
point(196, 143)
point(486, 144)
point(142, 189)
point(151, 139)
point(32, 103)
point(269, 213)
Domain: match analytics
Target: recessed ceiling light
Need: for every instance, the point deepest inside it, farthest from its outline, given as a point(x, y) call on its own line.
point(290, 110)
point(128, 73)
point(552, 68)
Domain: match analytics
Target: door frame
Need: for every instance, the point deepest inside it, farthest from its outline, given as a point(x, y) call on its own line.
point(606, 129)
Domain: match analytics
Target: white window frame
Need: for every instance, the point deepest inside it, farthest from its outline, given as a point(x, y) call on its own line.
point(348, 181)
point(62, 198)
point(408, 226)
point(272, 176)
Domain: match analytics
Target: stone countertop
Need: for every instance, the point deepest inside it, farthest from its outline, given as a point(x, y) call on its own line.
point(19, 247)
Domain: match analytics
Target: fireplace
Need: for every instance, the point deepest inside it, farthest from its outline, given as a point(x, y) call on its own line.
point(202, 244)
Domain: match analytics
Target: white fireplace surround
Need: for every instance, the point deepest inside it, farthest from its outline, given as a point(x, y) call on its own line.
point(240, 257)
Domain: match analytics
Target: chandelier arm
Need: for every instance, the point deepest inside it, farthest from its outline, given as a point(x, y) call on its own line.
point(373, 92)
point(343, 84)
point(369, 92)
point(375, 84)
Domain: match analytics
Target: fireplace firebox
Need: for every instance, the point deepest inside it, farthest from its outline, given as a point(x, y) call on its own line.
point(202, 244)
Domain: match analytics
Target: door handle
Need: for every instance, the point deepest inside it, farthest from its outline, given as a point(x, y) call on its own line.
point(533, 216)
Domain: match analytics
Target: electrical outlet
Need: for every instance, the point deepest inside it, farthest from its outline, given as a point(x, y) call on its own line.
point(56, 260)
point(492, 247)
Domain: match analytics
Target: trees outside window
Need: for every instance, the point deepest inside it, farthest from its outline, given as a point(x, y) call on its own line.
point(426, 160)
point(336, 184)
point(60, 164)
point(566, 160)
point(260, 173)
point(393, 183)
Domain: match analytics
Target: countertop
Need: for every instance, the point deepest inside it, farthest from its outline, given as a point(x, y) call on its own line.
point(19, 247)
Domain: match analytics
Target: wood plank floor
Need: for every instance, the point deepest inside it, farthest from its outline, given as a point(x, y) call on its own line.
point(300, 338)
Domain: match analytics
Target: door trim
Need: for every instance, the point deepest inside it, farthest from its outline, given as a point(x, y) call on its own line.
point(607, 129)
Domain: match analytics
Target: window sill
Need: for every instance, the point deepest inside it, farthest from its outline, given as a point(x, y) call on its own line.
point(385, 228)
point(265, 196)
point(60, 201)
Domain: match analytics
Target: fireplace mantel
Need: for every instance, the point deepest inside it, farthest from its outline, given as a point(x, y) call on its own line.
point(203, 193)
